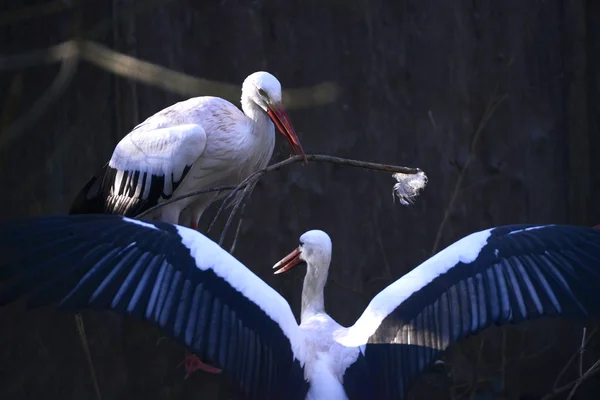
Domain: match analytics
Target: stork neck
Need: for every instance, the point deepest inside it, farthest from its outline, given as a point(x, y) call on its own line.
point(312, 292)
point(262, 122)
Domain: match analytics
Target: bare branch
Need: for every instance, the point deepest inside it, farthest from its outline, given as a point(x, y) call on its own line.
point(574, 385)
point(581, 351)
point(159, 76)
point(237, 231)
point(88, 354)
point(247, 190)
point(249, 183)
point(187, 85)
point(253, 178)
point(591, 371)
point(35, 58)
point(573, 357)
point(184, 196)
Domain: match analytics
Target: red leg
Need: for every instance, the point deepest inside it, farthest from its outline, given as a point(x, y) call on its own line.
point(192, 363)
point(194, 226)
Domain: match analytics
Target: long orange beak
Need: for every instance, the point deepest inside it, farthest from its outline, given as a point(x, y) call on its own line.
point(288, 261)
point(280, 119)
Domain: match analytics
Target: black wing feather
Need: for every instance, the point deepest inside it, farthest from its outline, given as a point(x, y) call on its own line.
point(99, 196)
point(109, 262)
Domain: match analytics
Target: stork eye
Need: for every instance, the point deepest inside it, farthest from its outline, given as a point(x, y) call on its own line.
point(262, 93)
point(301, 244)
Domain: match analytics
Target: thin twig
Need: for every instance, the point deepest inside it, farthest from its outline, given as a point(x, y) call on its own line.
point(594, 368)
point(574, 385)
point(88, 354)
point(184, 196)
point(226, 203)
point(247, 190)
point(237, 231)
point(491, 108)
point(566, 367)
point(581, 351)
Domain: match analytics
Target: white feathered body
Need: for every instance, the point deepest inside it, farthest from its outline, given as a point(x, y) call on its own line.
point(326, 359)
point(216, 140)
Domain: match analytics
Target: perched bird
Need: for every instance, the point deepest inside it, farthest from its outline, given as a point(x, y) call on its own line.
point(204, 298)
point(195, 144)
point(200, 143)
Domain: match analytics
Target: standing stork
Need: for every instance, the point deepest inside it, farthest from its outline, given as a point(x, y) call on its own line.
point(204, 298)
point(195, 144)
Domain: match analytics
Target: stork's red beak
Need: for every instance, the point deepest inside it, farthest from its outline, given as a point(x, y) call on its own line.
point(280, 119)
point(288, 261)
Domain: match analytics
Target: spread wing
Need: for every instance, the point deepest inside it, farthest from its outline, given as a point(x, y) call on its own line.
point(502, 275)
point(171, 276)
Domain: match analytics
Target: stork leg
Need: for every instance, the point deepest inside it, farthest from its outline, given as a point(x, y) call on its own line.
point(192, 363)
point(198, 207)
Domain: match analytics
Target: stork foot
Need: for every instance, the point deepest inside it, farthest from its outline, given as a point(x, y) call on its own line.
point(192, 363)
point(194, 226)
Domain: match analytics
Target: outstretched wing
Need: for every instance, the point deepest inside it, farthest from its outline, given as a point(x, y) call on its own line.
point(147, 164)
point(502, 275)
point(169, 275)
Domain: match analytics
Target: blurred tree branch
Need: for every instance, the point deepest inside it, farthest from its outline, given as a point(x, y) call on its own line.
point(43, 103)
point(157, 75)
point(70, 52)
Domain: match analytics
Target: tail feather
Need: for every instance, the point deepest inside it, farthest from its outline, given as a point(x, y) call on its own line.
point(89, 199)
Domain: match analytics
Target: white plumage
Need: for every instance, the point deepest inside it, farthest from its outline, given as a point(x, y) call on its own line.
point(195, 144)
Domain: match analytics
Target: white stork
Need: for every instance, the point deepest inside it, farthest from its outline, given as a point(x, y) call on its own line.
point(195, 144)
point(207, 300)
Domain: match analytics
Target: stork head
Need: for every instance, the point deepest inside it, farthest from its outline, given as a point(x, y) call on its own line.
point(314, 249)
point(264, 90)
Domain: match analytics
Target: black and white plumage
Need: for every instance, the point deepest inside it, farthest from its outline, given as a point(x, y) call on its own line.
point(203, 297)
point(200, 143)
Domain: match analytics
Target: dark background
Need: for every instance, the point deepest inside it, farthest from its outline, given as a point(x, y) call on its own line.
point(497, 101)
